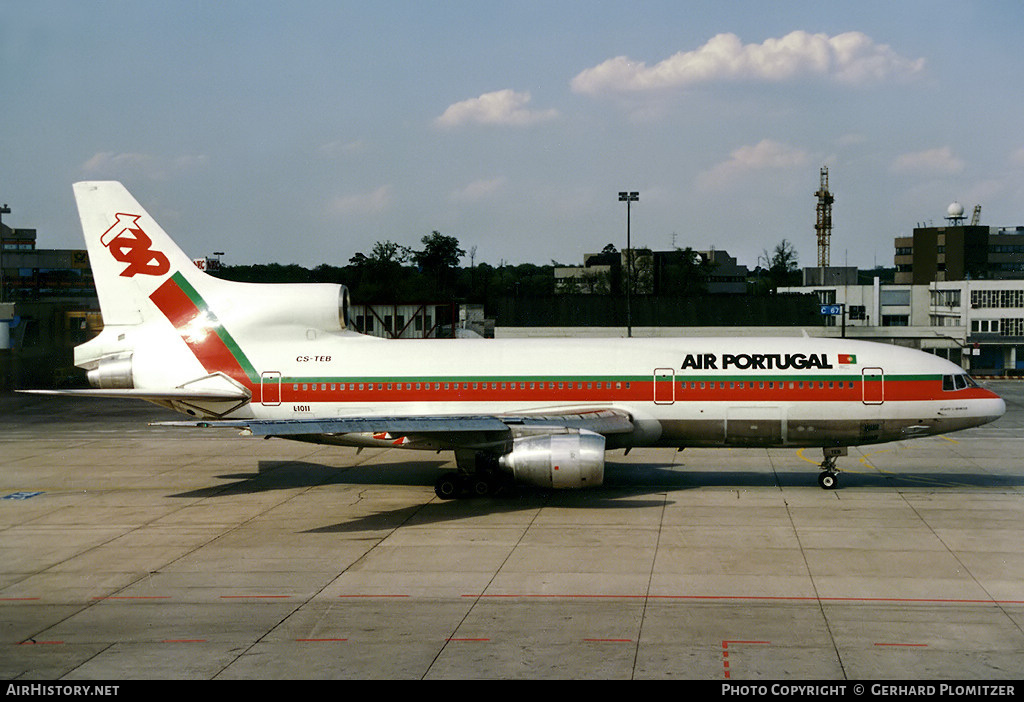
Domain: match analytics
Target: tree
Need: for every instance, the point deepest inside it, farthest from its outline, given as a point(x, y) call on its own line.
point(439, 259)
point(685, 273)
point(783, 268)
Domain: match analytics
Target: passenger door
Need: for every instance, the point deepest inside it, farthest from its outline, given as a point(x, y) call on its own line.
point(664, 386)
point(270, 388)
point(872, 386)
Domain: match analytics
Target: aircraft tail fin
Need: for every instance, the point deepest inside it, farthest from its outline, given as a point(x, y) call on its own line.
point(130, 254)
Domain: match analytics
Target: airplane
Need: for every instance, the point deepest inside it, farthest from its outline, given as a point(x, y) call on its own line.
point(279, 360)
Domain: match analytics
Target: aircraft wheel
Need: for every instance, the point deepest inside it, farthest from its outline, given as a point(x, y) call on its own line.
point(448, 486)
point(481, 486)
point(828, 480)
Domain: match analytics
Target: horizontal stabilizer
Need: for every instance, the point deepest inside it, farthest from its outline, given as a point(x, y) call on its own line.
point(179, 394)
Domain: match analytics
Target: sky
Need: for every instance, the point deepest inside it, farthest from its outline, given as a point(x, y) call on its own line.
point(305, 132)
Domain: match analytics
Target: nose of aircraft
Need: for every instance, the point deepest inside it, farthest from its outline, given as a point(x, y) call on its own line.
point(992, 407)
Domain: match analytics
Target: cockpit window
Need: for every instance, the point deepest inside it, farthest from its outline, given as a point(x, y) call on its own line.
point(958, 382)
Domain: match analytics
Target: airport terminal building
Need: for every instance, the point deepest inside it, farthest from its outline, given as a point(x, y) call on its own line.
point(978, 324)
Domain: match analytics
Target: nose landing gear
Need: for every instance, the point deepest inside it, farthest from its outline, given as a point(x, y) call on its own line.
point(828, 478)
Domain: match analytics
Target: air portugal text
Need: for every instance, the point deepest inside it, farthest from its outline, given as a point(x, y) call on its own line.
point(760, 361)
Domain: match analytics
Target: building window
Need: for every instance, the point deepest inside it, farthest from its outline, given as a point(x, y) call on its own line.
point(945, 298)
point(894, 297)
point(1011, 327)
point(995, 299)
point(895, 320)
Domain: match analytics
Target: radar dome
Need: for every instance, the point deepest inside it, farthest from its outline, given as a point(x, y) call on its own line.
point(955, 209)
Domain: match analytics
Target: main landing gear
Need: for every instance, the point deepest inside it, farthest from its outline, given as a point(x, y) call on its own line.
point(454, 485)
point(828, 478)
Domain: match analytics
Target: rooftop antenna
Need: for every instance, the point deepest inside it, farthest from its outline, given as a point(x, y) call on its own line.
point(823, 223)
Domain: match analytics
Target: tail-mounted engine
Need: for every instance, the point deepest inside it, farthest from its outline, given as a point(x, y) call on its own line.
point(572, 460)
point(112, 372)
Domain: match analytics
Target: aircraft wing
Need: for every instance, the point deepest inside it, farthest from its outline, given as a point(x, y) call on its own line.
point(462, 430)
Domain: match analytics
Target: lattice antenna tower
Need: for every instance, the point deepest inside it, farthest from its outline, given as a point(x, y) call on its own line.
point(823, 225)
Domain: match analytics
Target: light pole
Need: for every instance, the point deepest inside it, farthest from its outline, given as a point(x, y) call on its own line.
point(629, 198)
point(3, 210)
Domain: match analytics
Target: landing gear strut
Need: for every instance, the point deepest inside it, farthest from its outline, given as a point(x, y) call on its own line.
point(828, 478)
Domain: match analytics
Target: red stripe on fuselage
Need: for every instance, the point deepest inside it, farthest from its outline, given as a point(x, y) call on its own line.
point(638, 391)
point(200, 335)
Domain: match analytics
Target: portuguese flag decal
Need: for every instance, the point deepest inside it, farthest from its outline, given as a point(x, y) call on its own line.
point(847, 358)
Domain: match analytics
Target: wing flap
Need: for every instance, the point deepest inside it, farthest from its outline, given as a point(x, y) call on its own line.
point(605, 421)
point(351, 425)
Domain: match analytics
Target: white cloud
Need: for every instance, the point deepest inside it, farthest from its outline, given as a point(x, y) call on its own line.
point(503, 107)
point(940, 161)
point(109, 163)
point(373, 202)
point(478, 190)
point(851, 58)
point(766, 155)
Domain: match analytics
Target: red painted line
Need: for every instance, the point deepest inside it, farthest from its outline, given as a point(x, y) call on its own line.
point(725, 653)
point(254, 597)
point(372, 596)
point(153, 597)
point(756, 598)
point(555, 597)
point(320, 640)
point(834, 599)
point(610, 640)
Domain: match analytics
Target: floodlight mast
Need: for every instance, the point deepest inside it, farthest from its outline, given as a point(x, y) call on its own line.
point(3, 210)
point(629, 198)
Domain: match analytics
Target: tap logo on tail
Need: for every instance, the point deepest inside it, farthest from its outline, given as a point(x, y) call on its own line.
point(128, 243)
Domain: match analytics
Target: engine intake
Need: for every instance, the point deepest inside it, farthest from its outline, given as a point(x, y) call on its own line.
point(572, 460)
